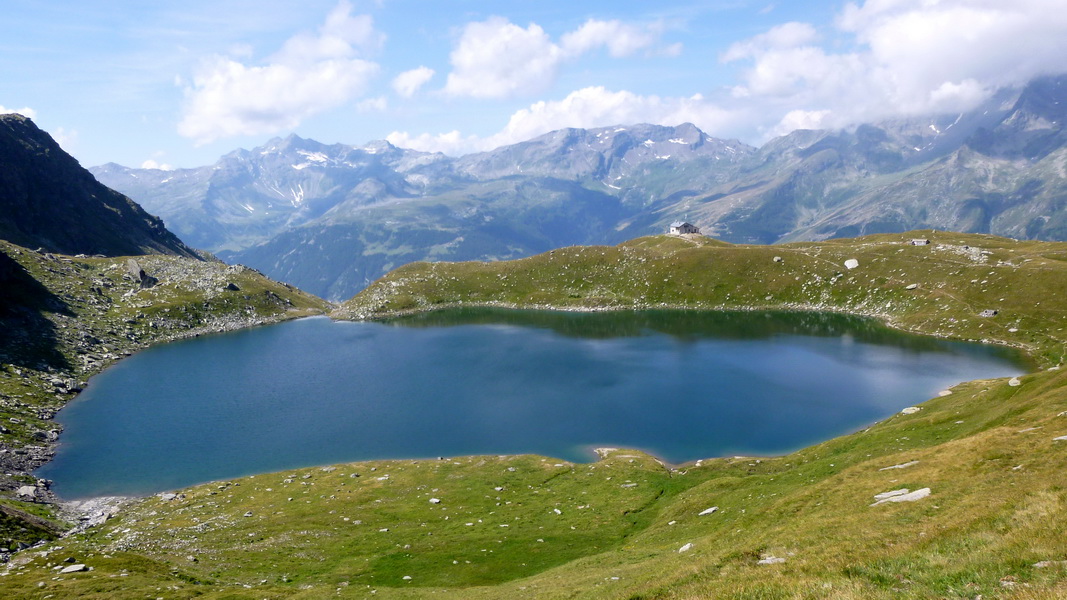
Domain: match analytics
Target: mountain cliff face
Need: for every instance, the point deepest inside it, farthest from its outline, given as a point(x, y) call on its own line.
point(48, 200)
point(330, 219)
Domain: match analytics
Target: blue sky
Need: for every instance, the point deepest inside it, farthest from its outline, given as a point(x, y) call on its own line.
point(179, 84)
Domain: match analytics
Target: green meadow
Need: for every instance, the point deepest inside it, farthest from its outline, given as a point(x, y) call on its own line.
point(989, 458)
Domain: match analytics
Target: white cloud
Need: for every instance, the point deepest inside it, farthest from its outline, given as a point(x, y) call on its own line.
point(25, 111)
point(66, 138)
point(409, 82)
point(801, 119)
point(311, 73)
point(497, 59)
point(587, 107)
point(452, 142)
point(909, 57)
point(787, 35)
point(378, 104)
point(620, 39)
point(152, 164)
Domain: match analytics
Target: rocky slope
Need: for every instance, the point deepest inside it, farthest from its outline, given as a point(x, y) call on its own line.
point(64, 319)
point(48, 201)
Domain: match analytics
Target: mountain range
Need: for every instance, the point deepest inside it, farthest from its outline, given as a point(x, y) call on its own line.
point(332, 218)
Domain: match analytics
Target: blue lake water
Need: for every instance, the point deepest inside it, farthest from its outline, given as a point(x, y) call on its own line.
point(681, 385)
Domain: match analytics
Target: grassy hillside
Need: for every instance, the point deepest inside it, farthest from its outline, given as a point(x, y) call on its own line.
point(955, 278)
point(628, 527)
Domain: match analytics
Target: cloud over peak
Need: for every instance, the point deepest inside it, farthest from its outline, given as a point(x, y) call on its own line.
point(496, 58)
point(309, 74)
point(408, 83)
point(906, 57)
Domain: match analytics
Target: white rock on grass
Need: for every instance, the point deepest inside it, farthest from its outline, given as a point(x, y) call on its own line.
point(708, 511)
point(685, 548)
point(1014, 382)
point(911, 410)
point(901, 495)
point(435, 500)
point(900, 466)
point(911, 286)
point(771, 560)
point(1062, 438)
point(851, 264)
point(74, 569)
point(944, 393)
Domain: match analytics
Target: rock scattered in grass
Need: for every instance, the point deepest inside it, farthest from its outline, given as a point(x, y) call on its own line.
point(901, 495)
point(78, 568)
point(686, 548)
point(1062, 438)
point(851, 264)
point(708, 511)
point(911, 410)
point(912, 286)
point(900, 466)
point(1045, 564)
point(1014, 382)
point(771, 560)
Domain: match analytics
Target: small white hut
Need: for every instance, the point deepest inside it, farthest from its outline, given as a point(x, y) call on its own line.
point(681, 227)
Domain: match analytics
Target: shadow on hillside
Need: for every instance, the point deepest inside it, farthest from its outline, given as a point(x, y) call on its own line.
point(27, 337)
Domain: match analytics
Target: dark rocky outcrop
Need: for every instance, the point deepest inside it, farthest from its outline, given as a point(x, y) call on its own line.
point(48, 201)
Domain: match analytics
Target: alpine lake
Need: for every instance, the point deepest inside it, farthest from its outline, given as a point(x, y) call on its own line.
point(681, 385)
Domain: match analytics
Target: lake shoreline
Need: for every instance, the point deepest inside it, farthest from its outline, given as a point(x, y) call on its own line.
point(616, 393)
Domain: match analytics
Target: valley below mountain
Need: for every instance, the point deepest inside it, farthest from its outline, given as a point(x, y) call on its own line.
point(331, 219)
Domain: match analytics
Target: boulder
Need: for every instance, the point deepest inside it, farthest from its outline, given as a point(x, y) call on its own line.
point(139, 276)
point(851, 264)
point(902, 495)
